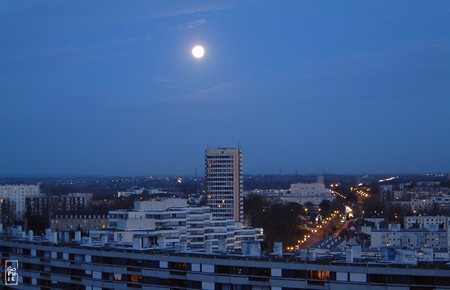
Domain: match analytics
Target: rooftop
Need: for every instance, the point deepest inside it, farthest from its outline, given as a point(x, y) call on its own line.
point(337, 259)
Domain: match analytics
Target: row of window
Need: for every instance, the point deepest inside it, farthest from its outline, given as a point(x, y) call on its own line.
point(81, 216)
point(178, 268)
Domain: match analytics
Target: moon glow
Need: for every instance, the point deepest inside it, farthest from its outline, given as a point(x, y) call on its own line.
point(198, 51)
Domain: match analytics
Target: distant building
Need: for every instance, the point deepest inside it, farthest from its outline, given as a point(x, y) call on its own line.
point(303, 193)
point(16, 195)
point(396, 236)
point(141, 190)
point(131, 191)
point(425, 197)
point(321, 179)
point(161, 223)
point(83, 221)
point(39, 205)
point(224, 183)
point(428, 186)
point(159, 204)
point(75, 201)
point(386, 187)
point(5, 214)
point(415, 205)
point(418, 231)
point(44, 205)
point(426, 222)
point(430, 223)
point(273, 195)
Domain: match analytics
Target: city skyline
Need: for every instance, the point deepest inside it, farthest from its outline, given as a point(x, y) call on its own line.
point(104, 89)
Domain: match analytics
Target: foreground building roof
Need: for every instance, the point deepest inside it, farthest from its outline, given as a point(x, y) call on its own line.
point(102, 266)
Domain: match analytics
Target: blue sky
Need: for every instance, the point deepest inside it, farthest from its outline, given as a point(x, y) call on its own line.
point(111, 87)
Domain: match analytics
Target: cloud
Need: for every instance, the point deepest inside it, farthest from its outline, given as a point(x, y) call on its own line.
point(400, 72)
point(221, 91)
point(159, 80)
point(73, 52)
point(188, 25)
point(132, 39)
point(207, 6)
point(194, 24)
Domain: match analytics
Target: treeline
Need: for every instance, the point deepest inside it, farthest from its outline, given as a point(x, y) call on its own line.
point(281, 222)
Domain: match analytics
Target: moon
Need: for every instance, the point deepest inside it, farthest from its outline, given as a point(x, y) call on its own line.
point(198, 51)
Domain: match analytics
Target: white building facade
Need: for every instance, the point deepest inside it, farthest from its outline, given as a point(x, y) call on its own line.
point(94, 267)
point(224, 183)
point(16, 195)
point(412, 237)
point(308, 192)
point(160, 225)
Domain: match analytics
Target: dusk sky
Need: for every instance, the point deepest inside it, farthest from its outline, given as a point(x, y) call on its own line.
point(111, 87)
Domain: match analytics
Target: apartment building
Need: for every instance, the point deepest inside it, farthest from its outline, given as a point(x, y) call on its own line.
point(83, 221)
point(224, 183)
point(86, 265)
point(170, 222)
point(16, 195)
point(432, 236)
point(314, 193)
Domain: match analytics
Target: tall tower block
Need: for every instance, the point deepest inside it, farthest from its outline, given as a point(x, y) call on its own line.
point(224, 183)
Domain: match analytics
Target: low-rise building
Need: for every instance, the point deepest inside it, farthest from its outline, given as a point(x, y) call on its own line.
point(83, 221)
point(138, 191)
point(314, 193)
point(432, 236)
point(271, 194)
point(410, 238)
point(426, 222)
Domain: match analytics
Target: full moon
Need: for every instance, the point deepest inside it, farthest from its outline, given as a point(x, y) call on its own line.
point(198, 51)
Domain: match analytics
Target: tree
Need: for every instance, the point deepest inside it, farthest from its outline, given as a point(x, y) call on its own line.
point(325, 208)
point(374, 203)
point(37, 223)
point(281, 222)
